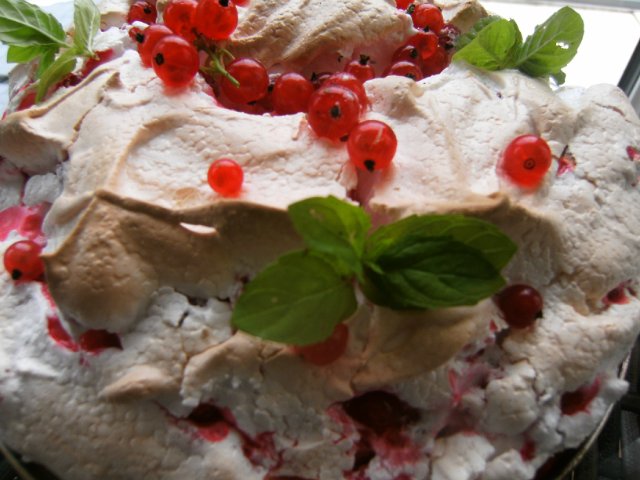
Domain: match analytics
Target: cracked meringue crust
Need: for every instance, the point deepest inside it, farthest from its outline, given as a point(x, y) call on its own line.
point(138, 245)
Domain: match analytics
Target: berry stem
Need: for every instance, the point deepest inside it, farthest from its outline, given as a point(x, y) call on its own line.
point(216, 62)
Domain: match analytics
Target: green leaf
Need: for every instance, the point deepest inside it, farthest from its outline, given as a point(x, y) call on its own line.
point(426, 272)
point(62, 66)
point(298, 300)
point(86, 20)
point(46, 60)
point(559, 77)
point(465, 39)
point(335, 229)
point(495, 47)
point(18, 54)
point(552, 45)
point(482, 236)
point(24, 24)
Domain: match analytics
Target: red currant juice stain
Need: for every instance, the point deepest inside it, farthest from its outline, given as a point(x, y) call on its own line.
point(214, 424)
point(59, 335)
point(26, 221)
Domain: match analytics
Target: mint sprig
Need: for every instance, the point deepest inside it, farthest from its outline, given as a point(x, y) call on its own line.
point(334, 229)
point(420, 262)
point(299, 299)
point(33, 34)
point(496, 44)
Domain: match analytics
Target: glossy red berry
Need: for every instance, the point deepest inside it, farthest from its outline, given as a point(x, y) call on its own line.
point(425, 42)
point(372, 145)
point(150, 38)
point(436, 63)
point(404, 68)
point(361, 69)
point(318, 79)
point(579, 400)
point(350, 82)
point(427, 17)
point(216, 19)
point(407, 53)
point(175, 61)
point(327, 351)
point(94, 62)
point(333, 111)
point(526, 161)
point(291, 93)
point(403, 4)
point(179, 17)
point(225, 177)
point(142, 11)
point(22, 260)
point(253, 79)
point(520, 305)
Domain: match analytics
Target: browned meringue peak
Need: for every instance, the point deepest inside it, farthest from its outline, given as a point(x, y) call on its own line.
point(309, 35)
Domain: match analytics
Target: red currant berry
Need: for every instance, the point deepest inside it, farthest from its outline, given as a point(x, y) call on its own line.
point(327, 351)
point(175, 61)
point(291, 93)
point(526, 161)
point(520, 305)
point(178, 16)
point(216, 19)
point(427, 17)
point(333, 111)
point(425, 42)
point(93, 63)
point(151, 36)
point(350, 82)
point(253, 79)
point(225, 177)
point(361, 69)
point(404, 69)
point(436, 63)
point(579, 400)
point(406, 53)
point(403, 4)
point(142, 11)
point(22, 260)
point(372, 145)
point(318, 79)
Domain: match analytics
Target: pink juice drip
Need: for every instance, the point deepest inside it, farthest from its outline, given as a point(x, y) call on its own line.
point(26, 221)
point(59, 335)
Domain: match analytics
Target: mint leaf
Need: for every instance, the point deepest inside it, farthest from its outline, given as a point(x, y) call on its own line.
point(495, 47)
point(62, 66)
point(24, 24)
point(426, 272)
point(552, 45)
point(86, 20)
point(334, 228)
point(46, 60)
point(477, 234)
point(299, 299)
point(18, 54)
point(466, 38)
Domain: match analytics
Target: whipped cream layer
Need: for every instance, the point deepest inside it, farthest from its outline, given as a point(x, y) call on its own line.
point(130, 367)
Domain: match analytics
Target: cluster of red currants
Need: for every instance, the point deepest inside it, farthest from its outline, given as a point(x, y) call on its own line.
point(428, 52)
point(171, 47)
